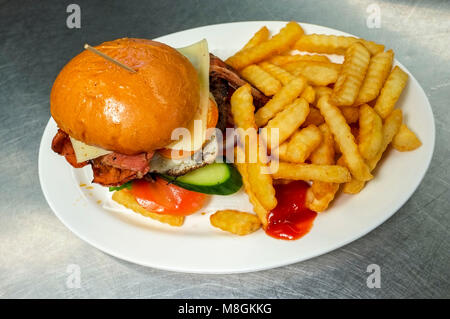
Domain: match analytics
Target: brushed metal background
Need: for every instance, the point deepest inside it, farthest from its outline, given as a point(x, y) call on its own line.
point(412, 248)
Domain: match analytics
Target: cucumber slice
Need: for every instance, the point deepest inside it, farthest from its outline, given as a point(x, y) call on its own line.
point(215, 178)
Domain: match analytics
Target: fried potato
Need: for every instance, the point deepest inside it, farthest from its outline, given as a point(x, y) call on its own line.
point(317, 73)
point(309, 94)
point(284, 59)
point(285, 96)
point(322, 203)
point(379, 67)
point(322, 193)
point(279, 73)
point(277, 44)
point(235, 222)
point(391, 127)
point(314, 117)
point(286, 121)
point(281, 152)
point(303, 143)
point(370, 136)
point(261, 184)
point(259, 37)
point(321, 91)
point(242, 107)
point(257, 207)
point(125, 198)
point(333, 44)
point(261, 79)
point(352, 74)
point(391, 91)
point(343, 136)
point(312, 172)
point(405, 140)
point(350, 113)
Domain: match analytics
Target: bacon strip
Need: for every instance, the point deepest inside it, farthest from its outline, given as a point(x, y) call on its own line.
point(62, 145)
point(222, 70)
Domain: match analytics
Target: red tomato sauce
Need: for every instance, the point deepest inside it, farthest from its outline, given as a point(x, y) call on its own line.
point(291, 219)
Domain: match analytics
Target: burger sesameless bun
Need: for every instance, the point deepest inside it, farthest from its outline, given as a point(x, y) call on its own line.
point(102, 104)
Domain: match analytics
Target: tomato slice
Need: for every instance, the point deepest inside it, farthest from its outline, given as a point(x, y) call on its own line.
point(161, 197)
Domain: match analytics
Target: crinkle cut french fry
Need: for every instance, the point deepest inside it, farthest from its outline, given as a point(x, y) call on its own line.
point(257, 207)
point(391, 127)
point(261, 184)
point(333, 44)
point(370, 136)
point(125, 198)
point(236, 222)
point(286, 121)
point(343, 136)
point(312, 172)
point(303, 143)
point(261, 79)
point(352, 75)
point(379, 67)
point(260, 36)
point(284, 96)
point(350, 113)
point(391, 91)
point(322, 193)
point(279, 43)
point(279, 73)
point(317, 73)
point(309, 94)
point(405, 140)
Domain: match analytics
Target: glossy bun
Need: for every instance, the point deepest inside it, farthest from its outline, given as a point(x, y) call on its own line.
point(102, 104)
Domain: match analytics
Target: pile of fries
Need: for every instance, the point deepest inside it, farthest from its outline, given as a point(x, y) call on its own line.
point(335, 121)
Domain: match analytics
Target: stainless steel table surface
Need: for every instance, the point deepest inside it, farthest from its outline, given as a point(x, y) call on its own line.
point(411, 248)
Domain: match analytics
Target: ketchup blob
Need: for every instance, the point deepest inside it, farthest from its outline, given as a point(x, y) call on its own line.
point(290, 219)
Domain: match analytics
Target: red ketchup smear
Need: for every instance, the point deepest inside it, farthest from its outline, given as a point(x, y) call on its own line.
point(291, 219)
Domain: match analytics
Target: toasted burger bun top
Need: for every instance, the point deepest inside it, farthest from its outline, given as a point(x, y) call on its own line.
point(102, 104)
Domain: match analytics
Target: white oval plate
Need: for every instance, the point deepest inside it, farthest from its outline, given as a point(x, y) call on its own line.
point(197, 247)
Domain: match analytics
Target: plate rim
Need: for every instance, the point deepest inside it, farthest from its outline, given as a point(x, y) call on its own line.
point(287, 261)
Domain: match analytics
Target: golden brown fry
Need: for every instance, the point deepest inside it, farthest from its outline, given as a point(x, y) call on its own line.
point(370, 136)
point(303, 143)
point(257, 207)
point(279, 73)
point(405, 140)
point(261, 184)
point(285, 96)
point(391, 91)
point(332, 44)
point(125, 198)
point(314, 117)
point(309, 94)
point(236, 222)
point(259, 37)
point(275, 45)
point(317, 73)
point(321, 91)
point(391, 127)
point(379, 67)
point(261, 79)
point(352, 74)
point(343, 136)
point(286, 121)
point(322, 193)
point(312, 172)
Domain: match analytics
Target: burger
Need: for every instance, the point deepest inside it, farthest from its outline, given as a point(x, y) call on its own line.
point(121, 123)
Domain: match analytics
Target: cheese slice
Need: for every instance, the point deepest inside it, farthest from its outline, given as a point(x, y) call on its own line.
point(84, 152)
point(198, 55)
